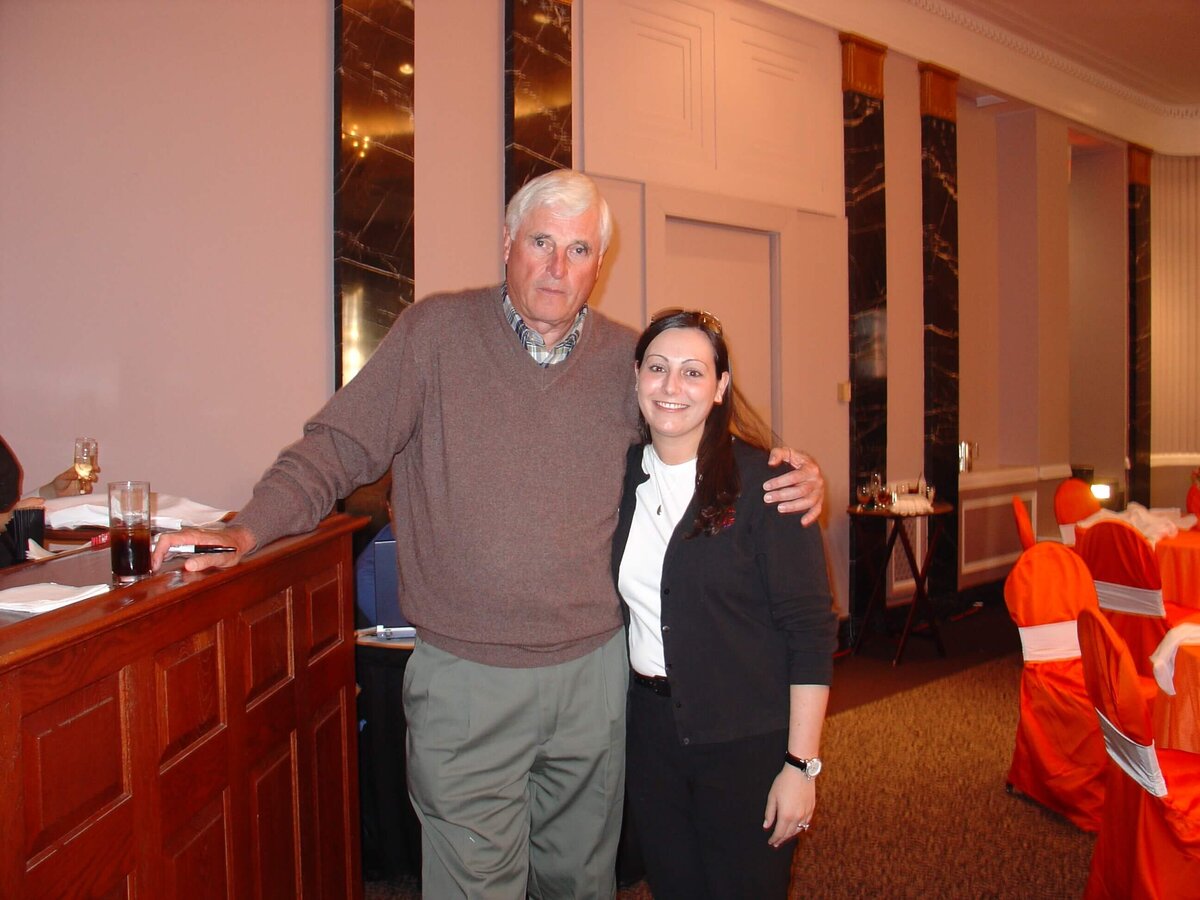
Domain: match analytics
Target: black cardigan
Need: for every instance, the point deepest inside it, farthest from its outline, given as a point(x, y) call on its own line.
point(745, 613)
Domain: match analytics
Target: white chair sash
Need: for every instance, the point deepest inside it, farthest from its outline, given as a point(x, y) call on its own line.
point(1126, 599)
point(1138, 761)
point(1054, 640)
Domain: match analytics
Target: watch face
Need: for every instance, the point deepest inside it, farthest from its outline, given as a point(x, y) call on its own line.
point(813, 769)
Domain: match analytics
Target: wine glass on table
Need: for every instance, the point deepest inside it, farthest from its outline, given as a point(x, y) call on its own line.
point(864, 495)
point(85, 463)
point(875, 485)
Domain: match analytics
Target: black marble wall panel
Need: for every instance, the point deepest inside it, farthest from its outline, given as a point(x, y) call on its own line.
point(373, 183)
point(867, 249)
point(1139, 343)
point(939, 214)
point(537, 88)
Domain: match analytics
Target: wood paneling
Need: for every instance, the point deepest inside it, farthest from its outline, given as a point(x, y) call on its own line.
point(191, 736)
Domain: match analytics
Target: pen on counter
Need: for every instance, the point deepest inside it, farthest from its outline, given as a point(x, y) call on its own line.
point(192, 549)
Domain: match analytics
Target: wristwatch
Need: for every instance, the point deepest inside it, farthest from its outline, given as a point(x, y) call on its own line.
point(810, 767)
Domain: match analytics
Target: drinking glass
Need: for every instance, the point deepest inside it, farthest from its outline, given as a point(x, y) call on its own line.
point(876, 489)
point(85, 463)
point(129, 529)
point(864, 494)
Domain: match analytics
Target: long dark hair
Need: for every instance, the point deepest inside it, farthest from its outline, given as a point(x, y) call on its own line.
point(717, 481)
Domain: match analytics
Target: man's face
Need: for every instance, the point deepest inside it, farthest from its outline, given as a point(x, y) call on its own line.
point(553, 262)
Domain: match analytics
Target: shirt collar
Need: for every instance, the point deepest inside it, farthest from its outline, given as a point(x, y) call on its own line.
point(533, 342)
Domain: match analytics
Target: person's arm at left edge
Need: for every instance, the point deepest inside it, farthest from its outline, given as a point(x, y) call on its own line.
point(800, 490)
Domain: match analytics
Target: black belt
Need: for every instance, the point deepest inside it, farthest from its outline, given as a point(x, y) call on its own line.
point(656, 683)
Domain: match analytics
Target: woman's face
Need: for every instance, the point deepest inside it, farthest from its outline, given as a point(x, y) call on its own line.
point(677, 385)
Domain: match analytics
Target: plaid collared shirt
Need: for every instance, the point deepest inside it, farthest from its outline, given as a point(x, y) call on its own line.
point(532, 341)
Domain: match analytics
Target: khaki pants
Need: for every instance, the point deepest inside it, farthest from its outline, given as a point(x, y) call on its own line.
point(517, 775)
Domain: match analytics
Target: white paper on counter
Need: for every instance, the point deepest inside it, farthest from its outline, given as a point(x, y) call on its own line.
point(40, 598)
point(169, 512)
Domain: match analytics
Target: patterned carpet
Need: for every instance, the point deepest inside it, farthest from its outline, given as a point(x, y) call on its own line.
point(912, 803)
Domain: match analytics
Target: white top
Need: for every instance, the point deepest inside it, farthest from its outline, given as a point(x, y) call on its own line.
point(662, 500)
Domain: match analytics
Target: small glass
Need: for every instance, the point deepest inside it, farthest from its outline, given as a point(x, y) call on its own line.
point(129, 530)
point(863, 493)
point(86, 453)
point(929, 493)
point(876, 489)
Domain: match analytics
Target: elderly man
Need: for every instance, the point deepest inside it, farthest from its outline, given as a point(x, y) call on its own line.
point(504, 414)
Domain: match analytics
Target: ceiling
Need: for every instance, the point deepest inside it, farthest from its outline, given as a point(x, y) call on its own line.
point(1149, 46)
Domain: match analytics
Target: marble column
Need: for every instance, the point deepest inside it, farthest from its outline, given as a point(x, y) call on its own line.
point(537, 90)
point(862, 110)
point(939, 219)
point(1138, 488)
point(373, 183)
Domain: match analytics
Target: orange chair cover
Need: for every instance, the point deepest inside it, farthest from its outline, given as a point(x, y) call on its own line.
point(1179, 567)
point(1059, 758)
point(1116, 552)
point(1193, 503)
point(1148, 846)
point(1024, 526)
point(1073, 501)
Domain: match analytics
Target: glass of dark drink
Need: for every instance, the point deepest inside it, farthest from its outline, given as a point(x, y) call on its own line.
point(129, 530)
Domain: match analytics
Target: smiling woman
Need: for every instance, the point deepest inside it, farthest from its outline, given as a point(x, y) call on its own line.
point(721, 763)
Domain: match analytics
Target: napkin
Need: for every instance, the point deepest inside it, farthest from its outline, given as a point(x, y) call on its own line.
point(911, 505)
point(1154, 524)
point(40, 598)
point(1163, 657)
point(169, 513)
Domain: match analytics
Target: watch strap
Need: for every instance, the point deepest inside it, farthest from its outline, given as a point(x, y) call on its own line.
point(798, 762)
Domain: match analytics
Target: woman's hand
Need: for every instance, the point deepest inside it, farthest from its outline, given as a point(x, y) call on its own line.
point(790, 805)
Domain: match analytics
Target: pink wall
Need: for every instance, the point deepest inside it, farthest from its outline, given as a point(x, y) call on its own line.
point(459, 144)
point(165, 235)
point(1099, 309)
point(905, 274)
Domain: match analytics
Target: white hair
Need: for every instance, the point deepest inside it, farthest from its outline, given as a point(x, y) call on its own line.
point(568, 192)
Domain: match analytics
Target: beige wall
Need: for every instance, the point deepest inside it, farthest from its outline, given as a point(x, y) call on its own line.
point(1099, 309)
point(979, 283)
point(458, 148)
point(905, 271)
point(165, 235)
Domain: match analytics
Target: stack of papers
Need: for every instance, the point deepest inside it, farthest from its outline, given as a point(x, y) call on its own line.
point(169, 513)
point(40, 598)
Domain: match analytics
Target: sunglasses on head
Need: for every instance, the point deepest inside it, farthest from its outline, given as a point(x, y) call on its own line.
point(700, 318)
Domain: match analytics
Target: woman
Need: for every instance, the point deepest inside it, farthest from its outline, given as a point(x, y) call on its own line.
point(731, 632)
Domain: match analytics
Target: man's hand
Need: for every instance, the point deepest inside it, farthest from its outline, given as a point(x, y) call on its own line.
point(801, 490)
point(233, 536)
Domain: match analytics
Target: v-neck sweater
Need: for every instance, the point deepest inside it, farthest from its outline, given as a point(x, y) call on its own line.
point(506, 477)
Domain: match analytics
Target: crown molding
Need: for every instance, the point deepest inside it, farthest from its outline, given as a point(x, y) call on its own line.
point(1006, 64)
point(1039, 53)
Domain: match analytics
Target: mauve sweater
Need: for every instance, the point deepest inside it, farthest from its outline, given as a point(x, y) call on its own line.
point(506, 477)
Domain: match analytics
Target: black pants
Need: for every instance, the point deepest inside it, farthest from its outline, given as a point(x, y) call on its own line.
point(699, 809)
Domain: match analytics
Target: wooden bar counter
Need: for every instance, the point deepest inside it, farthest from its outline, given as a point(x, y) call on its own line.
point(189, 736)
